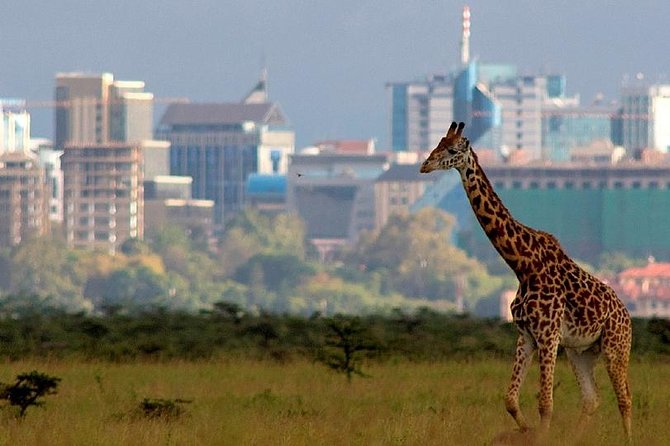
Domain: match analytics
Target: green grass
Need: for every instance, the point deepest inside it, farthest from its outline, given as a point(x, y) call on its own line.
point(245, 402)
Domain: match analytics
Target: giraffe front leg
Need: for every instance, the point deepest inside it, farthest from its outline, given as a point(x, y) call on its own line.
point(547, 357)
point(524, 355)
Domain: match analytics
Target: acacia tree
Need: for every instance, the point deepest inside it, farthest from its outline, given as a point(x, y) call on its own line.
point(346, 344)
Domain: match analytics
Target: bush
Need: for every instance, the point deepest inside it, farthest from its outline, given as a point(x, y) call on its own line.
point(162, 408)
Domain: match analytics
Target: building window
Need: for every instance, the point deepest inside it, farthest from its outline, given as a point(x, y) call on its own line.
point(551, 185)
point(516, 185)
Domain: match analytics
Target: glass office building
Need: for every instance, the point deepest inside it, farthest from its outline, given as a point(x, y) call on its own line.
point(219, 145)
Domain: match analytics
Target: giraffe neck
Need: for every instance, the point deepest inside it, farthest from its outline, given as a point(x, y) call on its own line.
point(514, 241)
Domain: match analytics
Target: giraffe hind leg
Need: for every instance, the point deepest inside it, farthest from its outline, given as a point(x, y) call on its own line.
point(524, 356)
point(616, 350)
point(583, 364)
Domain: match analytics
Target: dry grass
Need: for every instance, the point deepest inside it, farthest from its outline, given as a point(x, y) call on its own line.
point(300, 403)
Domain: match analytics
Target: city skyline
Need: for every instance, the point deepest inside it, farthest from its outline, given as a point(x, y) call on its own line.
point(214, 51)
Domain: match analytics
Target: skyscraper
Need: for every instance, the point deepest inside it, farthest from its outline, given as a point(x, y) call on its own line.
point(130, 112)
point(502, 109)
point(94, 108)
point(103, 195)
point(23, 198)
point(420, 111)
point(645, 112)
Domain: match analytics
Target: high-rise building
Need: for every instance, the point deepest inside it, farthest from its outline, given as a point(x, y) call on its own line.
point(96, 109)
point(130, 112)
point(220, 144)
point(23, 198)
point(521, 103)
point(502, 110)
point(565, 128)
point(420, 111)
point(103, 194)
point(645, 112)
point(499, 107)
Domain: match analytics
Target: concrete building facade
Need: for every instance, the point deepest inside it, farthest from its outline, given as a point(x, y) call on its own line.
point(645, 112)
point(96, 109)
point(334, 195)
point(103, 195)
point(24, 198)
point(398, 188)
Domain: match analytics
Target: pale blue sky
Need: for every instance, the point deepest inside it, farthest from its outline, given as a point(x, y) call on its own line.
point(328, 61)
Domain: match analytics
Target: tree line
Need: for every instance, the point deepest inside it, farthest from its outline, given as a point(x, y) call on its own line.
point(257, 262)
point(228, 331)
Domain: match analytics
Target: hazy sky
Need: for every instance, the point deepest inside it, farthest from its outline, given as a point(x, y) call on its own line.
point(328, 61)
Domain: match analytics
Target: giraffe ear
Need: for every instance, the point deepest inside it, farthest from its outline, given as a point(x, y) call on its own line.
point(461, 126)
point(452, 129)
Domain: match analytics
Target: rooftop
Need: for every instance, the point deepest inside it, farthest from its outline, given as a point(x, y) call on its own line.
point(222, 113)
point(651, 270)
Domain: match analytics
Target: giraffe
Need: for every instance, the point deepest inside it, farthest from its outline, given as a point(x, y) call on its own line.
point(557, 302)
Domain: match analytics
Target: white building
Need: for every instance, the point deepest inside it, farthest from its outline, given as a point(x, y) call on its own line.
point(14, 126)
point(645, 115)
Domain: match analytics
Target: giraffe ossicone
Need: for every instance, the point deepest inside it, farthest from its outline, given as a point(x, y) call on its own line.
point(557, 302)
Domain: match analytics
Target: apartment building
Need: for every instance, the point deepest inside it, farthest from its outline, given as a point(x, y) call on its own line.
point(24, 198)
point(103, 195)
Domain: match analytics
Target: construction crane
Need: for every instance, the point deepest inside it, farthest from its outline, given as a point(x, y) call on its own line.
point(32, 104)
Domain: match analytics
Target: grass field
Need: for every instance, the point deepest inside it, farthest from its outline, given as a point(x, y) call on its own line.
point(245, 402)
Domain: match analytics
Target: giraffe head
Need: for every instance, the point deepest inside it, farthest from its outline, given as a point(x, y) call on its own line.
point(451, 152)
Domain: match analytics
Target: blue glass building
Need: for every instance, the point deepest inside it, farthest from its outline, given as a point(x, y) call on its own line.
point(219, 145)
point(566, 128)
